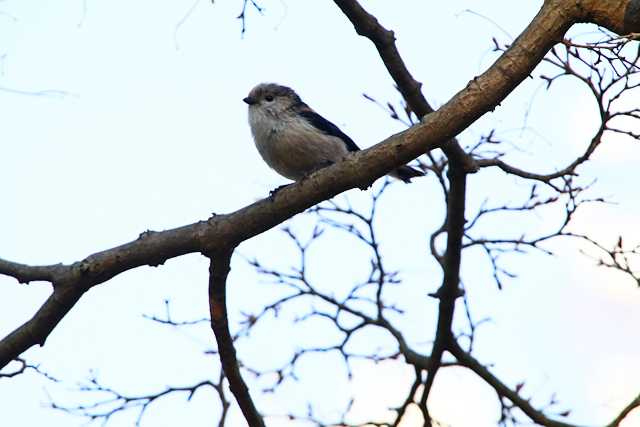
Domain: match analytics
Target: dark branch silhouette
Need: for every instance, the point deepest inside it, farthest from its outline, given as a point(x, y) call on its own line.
point(218, 272)
point(607, 68)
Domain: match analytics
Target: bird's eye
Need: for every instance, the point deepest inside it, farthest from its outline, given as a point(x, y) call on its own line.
point(268, 98)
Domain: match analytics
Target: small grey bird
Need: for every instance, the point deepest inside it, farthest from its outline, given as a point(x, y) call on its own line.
point(293, 139)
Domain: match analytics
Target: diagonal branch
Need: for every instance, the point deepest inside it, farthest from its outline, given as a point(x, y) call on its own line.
point(37, 329)
point(635, 403)
point(358, 170)
point(218, 272)
point(154, 248)
point(368, 26)
point(503, 390)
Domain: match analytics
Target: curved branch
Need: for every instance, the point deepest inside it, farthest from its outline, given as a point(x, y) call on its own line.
point(360, 169)
point(368, 26)
point(37, 329)
point(23, 367)
point(503, 390)
point(154, 248)
point(218, 272)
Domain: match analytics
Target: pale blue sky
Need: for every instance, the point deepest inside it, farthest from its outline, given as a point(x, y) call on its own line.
point(144, 128)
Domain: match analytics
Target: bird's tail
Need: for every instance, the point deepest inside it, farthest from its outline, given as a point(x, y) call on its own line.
point(405, 173)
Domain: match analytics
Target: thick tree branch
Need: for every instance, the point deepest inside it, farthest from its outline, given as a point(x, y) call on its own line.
point(37, 329)
point(481, 95)
point(551, 18)
point(218, 272)
point(154, 248)
point(619, 16)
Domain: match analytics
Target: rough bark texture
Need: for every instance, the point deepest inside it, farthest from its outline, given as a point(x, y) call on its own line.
point(437, 129)
point(482, 94)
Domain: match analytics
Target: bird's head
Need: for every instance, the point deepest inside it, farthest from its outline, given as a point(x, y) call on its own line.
point(273, 99)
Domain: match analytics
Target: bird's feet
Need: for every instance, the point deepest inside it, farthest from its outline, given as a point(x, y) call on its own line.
point(272, 193)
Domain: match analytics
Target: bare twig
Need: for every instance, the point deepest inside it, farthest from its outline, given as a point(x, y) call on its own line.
point(243, 13)
point(115, 402)
point(24, 366)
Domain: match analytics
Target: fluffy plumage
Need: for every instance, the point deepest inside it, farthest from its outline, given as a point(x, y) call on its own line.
point(293, 139)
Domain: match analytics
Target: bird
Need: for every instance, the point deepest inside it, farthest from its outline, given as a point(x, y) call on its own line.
point(294, 140)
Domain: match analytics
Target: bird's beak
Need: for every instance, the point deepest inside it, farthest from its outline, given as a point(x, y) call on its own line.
point(250, 100)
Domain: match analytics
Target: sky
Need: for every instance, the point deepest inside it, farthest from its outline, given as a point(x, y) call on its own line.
point(118, 117)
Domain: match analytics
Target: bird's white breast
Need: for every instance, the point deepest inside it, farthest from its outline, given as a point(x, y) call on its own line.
point(292, 146)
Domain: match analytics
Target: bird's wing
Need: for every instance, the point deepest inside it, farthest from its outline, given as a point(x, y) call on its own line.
point(325, 126)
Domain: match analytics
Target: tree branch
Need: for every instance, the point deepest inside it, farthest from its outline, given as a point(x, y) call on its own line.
point(536, 416)
point(23, 367)
point(450, 290)
point(154, 248)
point(25, 273)
point(470, 362)
point(368, 26)
point(635, 403)
point(218, 272)
point(481, 95)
